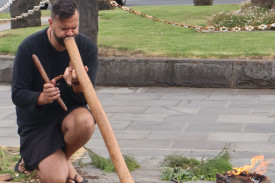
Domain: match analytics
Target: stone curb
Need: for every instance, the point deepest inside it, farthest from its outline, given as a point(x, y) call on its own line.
point(212, 73)
point(6, 68)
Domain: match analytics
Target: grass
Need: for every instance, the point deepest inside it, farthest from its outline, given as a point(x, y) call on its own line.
point(44, 13)
point(9, 156)
point(155, 38)
point(10, 40)
point(5, 15)
point(125, 31)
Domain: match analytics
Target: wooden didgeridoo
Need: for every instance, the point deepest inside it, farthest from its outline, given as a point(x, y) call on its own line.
point(98, 112)
point(46, 79)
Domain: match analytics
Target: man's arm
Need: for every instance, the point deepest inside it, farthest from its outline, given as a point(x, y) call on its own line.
point(22, 93)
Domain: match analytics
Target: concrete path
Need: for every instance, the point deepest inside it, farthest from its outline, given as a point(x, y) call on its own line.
point(152, 122)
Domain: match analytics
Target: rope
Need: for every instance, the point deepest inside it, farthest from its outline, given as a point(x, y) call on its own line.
point(124, 8)
point(198, 28)
point(6, 5)
point(24, 15)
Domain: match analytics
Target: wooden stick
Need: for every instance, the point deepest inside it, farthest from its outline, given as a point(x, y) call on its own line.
point(46, 79)
point(98, 112)
point(58, 77)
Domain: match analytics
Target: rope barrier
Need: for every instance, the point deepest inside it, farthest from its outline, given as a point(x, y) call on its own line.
point(198, 28)
point(23, 15)
point(6, 5)
point(124, 8)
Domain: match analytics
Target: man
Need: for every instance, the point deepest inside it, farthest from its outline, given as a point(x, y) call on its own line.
point(48, 134)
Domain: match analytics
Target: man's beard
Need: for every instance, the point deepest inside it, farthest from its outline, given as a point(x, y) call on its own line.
point(60, 40)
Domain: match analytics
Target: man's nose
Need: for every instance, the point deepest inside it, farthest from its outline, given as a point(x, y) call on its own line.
point(69, 33)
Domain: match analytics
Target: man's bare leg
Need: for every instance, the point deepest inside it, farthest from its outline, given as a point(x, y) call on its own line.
point(54, 168)
point(77, 128)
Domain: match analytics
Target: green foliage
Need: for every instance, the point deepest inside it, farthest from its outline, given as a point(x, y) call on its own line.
point(44, 13)
point(9, 156)
point(179, 161)
point(131, 162)
point(182, 169)
point(107, 165)
point(249, 15)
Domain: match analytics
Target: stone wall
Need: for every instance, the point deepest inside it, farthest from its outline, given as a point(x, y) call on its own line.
point(216, 73)
point(186, 72)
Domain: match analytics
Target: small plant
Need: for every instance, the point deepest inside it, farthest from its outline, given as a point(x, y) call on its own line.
point(182, 169)
point(9, 156)
point(248, 15)
point(179, 161)
point(107, 165)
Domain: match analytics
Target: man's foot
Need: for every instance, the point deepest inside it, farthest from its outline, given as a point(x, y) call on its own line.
point(74, 177)
point(77, 177)
point(20, 167)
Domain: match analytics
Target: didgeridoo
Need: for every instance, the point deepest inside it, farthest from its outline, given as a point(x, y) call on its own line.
point(46, 79)
point(98, 112)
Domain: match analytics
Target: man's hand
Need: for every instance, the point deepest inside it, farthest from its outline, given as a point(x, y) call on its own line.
point(49, 94)
point(70, 75)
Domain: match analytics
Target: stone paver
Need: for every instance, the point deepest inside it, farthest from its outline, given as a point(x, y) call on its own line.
point(152, 122)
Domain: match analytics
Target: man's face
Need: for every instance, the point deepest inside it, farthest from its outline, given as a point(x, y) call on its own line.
point(68, 27)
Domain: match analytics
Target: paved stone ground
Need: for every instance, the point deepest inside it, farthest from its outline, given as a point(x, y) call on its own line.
point(150, 123)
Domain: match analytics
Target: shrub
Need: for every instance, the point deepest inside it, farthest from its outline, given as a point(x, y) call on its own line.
point(180, 168)
point(248, 15)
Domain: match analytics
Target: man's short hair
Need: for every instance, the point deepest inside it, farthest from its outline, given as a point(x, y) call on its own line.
point(62, 9)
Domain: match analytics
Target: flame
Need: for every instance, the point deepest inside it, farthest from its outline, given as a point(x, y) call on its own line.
point(258, 161)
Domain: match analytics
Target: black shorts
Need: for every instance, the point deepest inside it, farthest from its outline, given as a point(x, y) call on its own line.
point(39, 141)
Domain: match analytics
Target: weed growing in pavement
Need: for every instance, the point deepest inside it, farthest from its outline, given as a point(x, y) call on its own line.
point(248, 15)
point(180, 169)
point(107, 165)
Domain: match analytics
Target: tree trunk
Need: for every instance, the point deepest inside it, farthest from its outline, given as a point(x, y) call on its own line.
point(105, 5)
point(88, 18)
point(264, 3)
point(22, 6)
point(202, 2)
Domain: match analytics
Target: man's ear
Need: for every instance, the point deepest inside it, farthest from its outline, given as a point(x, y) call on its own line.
point(50, 22)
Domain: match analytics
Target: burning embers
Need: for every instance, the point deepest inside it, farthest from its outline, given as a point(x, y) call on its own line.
point(244, 175)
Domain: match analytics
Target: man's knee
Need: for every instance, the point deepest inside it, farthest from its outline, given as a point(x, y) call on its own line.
point(89, 123)
point(85, 122)
point(79, 120)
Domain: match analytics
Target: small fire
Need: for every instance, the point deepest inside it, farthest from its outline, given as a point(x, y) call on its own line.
point(258, 165)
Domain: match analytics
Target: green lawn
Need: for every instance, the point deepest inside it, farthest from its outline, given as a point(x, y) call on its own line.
point(7, 15)
point(125, 31)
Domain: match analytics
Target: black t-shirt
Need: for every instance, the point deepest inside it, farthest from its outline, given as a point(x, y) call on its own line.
point(27, 83)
